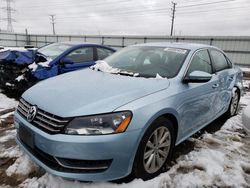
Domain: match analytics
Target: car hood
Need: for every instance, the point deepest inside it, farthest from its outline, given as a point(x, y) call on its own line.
point(87, 92)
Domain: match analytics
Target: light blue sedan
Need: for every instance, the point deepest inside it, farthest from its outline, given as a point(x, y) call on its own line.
point(126, 114)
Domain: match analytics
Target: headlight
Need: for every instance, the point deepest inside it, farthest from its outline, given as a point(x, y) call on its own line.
point(99, 124)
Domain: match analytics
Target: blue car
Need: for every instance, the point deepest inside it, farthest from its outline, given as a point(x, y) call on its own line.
point(125, 114)
point(22, 68)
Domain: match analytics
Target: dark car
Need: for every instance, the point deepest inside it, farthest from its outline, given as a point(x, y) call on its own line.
point(22, 68)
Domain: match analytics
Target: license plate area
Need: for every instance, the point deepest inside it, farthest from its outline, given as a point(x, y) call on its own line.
point(26, 136)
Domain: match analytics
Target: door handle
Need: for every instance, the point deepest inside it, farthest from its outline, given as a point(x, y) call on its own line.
point(216, 85)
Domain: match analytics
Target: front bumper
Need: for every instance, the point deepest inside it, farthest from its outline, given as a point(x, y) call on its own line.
point(118, 149)
point(246, 119)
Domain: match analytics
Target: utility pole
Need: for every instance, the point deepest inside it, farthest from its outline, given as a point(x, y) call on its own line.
point(9, 18)
point(173, 16)
point(53, 19)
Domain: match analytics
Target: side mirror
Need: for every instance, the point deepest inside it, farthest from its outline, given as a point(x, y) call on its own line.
point(197, 77)
point(67, 61)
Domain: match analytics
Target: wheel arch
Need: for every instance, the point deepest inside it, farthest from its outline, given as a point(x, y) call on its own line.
point(238, 90)
point(170, 114)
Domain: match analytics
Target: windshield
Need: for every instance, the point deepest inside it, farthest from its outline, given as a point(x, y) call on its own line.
point(148, 61)
point(54, 50)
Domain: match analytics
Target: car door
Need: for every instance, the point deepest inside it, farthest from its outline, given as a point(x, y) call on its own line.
point(225, 75)
point(198, 99)
point(77, 59)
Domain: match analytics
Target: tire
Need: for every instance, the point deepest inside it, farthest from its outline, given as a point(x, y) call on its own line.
point(234, 104)
point(151, 159)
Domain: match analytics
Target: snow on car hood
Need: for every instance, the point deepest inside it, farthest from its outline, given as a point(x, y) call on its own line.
point(88, 92)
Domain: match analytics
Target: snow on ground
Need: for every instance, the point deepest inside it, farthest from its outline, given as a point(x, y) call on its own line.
point(245, 69)
point(9, 134)
point(219, 159)
point(7, 107)
point(22, 166)
point(7, 103)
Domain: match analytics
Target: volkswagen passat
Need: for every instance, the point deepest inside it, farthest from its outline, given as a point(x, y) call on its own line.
point(126, 114)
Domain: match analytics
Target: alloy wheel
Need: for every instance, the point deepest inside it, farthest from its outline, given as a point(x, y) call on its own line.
point(157, 149)
point(234, 103)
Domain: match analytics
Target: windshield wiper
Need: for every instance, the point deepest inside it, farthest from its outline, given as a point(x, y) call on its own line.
point(125, 73)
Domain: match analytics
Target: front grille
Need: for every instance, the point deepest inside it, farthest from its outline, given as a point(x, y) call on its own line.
point(43, 120)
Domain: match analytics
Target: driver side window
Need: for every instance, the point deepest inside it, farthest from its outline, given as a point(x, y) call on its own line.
point(200, 62)
point(81, 55)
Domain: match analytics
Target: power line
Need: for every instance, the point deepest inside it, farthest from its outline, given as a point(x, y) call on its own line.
point(9, 18)
point(201, 4)
point(79, 4)
point(52, 17)
point(172, 18)
point(114, 14)
point(212, 10)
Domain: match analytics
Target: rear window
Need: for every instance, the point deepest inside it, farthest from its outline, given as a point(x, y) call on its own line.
point(219, 60)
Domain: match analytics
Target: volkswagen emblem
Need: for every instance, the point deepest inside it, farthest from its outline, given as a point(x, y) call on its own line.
point(31, 113)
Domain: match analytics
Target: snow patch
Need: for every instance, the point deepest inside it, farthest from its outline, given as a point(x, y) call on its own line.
point(246, 84)
point(245, 69)
point(104, 67)
point(45, 64)
point(159, 77)
point(6, 103)
point(19, 78)
point(22, 166)
point(9, 135)
point(12, 152)
point(9, 84)
point(33, 67)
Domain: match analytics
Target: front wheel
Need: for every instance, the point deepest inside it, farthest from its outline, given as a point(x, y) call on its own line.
point(154, 150)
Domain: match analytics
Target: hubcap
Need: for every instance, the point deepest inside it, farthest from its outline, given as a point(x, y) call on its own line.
point(157, 149)
point(234, 104)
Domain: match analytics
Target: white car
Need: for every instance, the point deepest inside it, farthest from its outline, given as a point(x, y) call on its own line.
point(246, 119)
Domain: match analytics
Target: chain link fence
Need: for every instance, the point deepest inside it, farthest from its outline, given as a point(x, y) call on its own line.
point(237, 48)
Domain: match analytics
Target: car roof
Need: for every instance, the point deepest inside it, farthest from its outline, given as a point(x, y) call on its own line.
point(189, 46)
point(76, 43)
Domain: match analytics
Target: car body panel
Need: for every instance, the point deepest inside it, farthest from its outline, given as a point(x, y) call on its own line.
point(246, 119)
point(192, 105)
point(45, 72)
point(116, 147)
point(109, 91)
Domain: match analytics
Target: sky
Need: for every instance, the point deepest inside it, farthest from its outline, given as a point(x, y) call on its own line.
point(130, 17)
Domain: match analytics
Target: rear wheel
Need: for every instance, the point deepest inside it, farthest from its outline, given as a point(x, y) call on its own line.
point(234, 104)
point(155, 150)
